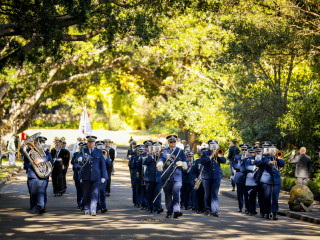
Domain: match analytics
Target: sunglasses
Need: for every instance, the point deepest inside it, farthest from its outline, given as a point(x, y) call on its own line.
point(172, 141)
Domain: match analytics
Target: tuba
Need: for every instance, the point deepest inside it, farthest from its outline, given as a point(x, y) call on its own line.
point(43, 169)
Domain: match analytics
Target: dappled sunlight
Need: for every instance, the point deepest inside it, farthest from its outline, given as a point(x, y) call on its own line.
point(123, 221)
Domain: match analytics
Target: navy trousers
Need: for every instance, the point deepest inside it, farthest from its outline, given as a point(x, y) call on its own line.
point(134, 197)
point(78, 185)
point(38, 189)
point(270, 198)
point(144, 201)
point(260, 197)
point(136, 188)
point(252, 194)
point(200, 199)
point(152, 189)
point(211, 199)
point(172, 191)
point(240, 193)
point(90, 195)
point(185, 194)
point(57, 177)
point(102, 195)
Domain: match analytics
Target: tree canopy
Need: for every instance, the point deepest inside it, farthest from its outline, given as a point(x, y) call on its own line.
point(223, 69)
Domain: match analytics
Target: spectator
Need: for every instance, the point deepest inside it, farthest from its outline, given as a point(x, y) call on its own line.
point(12, 151)
point(303, 167)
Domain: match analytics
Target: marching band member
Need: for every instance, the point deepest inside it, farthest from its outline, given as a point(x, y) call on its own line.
point(76, 177)
point(172, 160)
point(65, 155)
point(93, 172)
point(37, 186)
point(251, 187)
point(271, 183)
point(136, 167)
point(240, 177)
point(152, 178)
point(143, 155)
point(257, 175)
point(233, 152)
point(186, 182)
point(196, 174)
point(212, 176)
point(57, 175)
point(111, 154)
point(102, 205)
point(132, 155)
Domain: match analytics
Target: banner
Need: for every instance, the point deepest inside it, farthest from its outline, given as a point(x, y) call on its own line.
point(85, 128)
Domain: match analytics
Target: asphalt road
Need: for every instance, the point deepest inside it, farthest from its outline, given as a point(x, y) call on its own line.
point(123, 221)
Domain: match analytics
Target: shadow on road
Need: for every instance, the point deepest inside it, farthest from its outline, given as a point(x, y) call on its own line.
point(123, 221)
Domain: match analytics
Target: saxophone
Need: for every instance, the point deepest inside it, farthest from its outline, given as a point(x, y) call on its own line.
point(43, 169)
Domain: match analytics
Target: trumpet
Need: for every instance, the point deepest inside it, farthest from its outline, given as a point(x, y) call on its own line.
point(220, 152)
point(279, 154)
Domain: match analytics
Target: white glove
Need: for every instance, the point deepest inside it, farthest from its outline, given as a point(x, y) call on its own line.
point(80, 159)
point(179, 163)
point(184, 165)
point(103, 180)
point(160, 166)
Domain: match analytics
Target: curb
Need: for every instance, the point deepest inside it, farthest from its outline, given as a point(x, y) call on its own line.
point(7, 178)
point(290, 214)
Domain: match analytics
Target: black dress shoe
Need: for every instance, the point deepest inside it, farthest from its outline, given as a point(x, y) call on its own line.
point(177, 214)
point(214, 214)
point(160, 210)
point(206, 213)
point(108, 194)
point(240, 210)
point(268, 216)
point(42, 211)
point(168, 216)
point(104, 210)
point(274, 216)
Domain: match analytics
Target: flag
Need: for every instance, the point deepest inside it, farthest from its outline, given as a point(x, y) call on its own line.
point(85, 128)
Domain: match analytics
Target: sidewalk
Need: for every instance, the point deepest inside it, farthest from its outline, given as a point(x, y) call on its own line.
point(312, 217)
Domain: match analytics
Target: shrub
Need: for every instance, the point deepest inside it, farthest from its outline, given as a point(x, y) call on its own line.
point(226, 172)
point(315, 189)
point(288, 183)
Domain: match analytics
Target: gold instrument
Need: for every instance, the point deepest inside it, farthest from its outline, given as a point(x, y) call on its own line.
point(220, 152)
point(198, 183)
point(105, 153)
point(43, 169)
point(280, 154)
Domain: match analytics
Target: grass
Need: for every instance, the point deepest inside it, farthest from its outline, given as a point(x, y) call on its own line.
point(5, 169)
